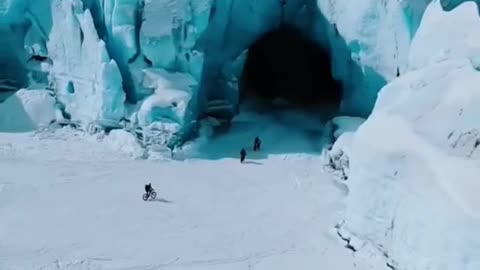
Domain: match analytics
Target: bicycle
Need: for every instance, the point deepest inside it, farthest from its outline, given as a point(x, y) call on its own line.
point(152, 195)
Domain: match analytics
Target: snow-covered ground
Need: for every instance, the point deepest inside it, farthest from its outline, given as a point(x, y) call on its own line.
point(72, 201)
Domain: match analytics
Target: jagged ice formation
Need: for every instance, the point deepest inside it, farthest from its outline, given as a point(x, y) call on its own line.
point(101, 76)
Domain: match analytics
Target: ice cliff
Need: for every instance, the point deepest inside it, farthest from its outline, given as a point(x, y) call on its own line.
point(412, 167)
point(97, 54)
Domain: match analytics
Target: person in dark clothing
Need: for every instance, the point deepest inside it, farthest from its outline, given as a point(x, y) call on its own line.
point(148, 189)
point(243, 154)
point(256, 144)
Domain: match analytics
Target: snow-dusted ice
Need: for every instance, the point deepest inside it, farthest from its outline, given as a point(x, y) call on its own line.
point(27, 110)
point(412, 167)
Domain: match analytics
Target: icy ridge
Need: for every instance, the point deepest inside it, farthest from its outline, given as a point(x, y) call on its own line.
point(412, 167)
point(86, 80)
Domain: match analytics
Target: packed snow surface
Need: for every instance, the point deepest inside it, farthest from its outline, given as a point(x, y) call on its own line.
point(69, 201)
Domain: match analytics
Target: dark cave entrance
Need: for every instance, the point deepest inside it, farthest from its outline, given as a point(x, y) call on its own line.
point(286, 96)
point(284, 65)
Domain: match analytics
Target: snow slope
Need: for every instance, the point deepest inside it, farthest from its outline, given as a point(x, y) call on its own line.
point(77, 205)
point(409, 193)
point(412, 167)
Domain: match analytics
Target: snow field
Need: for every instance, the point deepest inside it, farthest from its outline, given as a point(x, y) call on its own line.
point(87, 213)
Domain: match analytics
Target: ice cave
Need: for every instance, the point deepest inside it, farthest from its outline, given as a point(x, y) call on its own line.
point(287, 55)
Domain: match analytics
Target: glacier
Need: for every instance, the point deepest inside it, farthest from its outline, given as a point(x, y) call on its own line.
point(410, 67)
point(112, 46)
point(412, 167)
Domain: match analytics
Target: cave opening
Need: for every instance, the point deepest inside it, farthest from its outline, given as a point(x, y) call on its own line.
point(286, 69)
point(286, 95)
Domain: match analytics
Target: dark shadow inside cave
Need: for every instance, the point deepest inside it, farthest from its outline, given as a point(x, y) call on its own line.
point(284, 65)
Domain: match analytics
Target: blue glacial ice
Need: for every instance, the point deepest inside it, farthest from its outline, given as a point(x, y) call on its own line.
point(99, 54)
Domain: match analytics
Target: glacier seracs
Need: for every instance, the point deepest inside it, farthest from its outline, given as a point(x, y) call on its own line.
point(171, 99)
point(87, 81)
point(206, 39)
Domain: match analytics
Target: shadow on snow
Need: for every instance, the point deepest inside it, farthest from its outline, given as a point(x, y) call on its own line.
point(162, 200)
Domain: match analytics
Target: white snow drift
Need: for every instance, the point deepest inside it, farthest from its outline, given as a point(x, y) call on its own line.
point(412, 166)
point(69, 202)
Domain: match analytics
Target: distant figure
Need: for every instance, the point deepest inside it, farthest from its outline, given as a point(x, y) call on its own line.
point(148, 189)
point(243, 154)
point(150, 192)
point(256, 144)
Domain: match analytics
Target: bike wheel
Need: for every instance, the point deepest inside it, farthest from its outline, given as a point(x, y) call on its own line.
point(145, 196)
point(153, 195)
